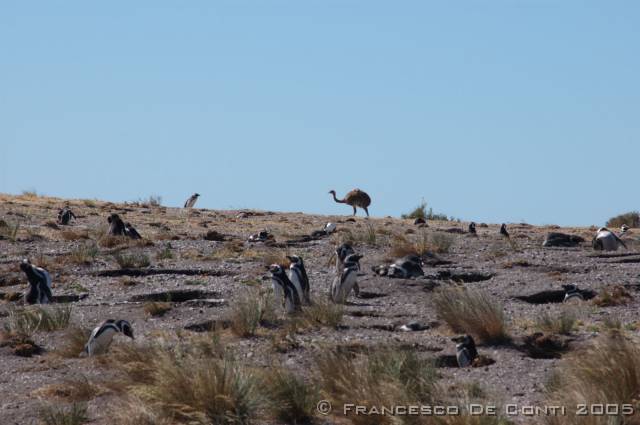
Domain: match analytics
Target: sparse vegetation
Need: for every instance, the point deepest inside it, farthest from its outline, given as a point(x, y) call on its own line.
point(323, 312)
point(165, 254)
point(29, 320)
point(70, 389)
point(157, 308)
point(612, 296)
point(421, 212)
point(381, 377)
point(190, 387)
point(607, 372)
point(291, 399)
point(252, 308)
point(561, 323)
point(83, 254)
point(631, 219)
point(76, 414)
point(74, 340)
point(132, 261)
point(9, 230)
point(473, 312)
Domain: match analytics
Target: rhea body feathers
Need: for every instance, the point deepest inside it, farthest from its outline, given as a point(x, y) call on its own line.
point(355, 198)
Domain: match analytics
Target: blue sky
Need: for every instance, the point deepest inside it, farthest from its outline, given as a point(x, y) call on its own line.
point(489, 110)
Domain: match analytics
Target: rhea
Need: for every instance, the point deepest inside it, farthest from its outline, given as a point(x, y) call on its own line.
point(102, 336)
point(355, 198)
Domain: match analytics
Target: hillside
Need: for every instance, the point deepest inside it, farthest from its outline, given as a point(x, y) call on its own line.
point(199, 267)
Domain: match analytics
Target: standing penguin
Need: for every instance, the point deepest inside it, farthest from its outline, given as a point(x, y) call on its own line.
point(283, 287)
point(341, 253)
point(466, 351)
point(101, 337)
point(472, 229)
point(192, 200)
point(40, 281)
point(347, 280)
point(503, 231)
point(299, 277)
point(65, 215)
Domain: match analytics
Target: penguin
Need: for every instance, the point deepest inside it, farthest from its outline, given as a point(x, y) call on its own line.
point(130, 231)
point(299, 278)
point(572, 293)
point(65, 215)
point(101, 336)
point(472, 229)
point(328, 229)
point(347, 280)
point(623, 229)
point(503, 231)
point(606, 240)
point(341, 253)
point(191, 201)
point(466, 351)
point(406, 267)
point(116, 225)
point(286, 292)
point(40, 281)
point(263, 236)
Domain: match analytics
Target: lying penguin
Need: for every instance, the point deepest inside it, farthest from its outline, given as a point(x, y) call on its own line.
point(406, 267)
point(606, 240)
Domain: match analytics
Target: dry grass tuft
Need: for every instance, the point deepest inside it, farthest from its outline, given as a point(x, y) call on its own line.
point(473, 312)
point(562, 323)
point(187, 387)
point(324, 313)
point(250, 310)
point(132, 261)
point(74, 235)
point(83, 255)
point(156, 308)
point(9, 230)
point(607, 372)
point(110, 241)
point(291, 399)
point(70, 390)
point(382, 377)
point(612, 296)
point(29, 320)
point(76, 414)
point(74, 340)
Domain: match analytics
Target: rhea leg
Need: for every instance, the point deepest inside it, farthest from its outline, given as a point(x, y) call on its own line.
point(354, 210)
point(366, 210)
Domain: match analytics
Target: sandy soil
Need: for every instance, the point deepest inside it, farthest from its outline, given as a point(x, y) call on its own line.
point(523, 267)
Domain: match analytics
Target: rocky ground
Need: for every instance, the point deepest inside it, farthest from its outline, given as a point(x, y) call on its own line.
point(204, 277)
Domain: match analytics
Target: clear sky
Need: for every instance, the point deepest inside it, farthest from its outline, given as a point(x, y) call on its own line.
point(489, 110)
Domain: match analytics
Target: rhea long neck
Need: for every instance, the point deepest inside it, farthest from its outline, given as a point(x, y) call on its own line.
point(340, 201)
